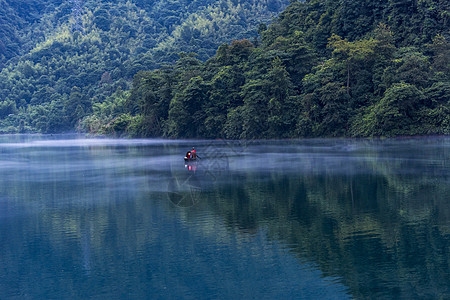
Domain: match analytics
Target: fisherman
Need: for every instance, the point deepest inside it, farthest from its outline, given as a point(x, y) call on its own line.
point(194, 153)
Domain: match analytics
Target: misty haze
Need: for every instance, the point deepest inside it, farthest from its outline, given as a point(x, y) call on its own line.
point(304, 219)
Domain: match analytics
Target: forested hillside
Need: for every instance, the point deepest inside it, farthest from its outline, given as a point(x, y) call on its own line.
point(60, 58)
point(322, 68)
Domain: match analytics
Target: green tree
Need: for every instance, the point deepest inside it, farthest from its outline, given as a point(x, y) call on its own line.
point(224, 88)
point(395, 114)
point(353, 55)
point(186, 114)
point(150, 98)
point(384, 50)
point(413, 67)
point(326, 105)
point(441, 54)
point(254, 111)
point(77, 106)
point(7, 108)
point(281, 111)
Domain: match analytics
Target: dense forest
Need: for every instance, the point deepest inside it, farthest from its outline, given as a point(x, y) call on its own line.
point(59, 59)
point(223, 69)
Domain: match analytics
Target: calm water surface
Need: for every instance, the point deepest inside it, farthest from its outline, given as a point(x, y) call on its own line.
point(315, 219)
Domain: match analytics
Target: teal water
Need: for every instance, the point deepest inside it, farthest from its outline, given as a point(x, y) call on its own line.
point(308, 219)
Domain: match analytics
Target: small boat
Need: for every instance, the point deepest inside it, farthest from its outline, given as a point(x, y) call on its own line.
point(190, 157)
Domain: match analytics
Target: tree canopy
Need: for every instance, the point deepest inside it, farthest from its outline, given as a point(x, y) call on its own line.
point(321, 68)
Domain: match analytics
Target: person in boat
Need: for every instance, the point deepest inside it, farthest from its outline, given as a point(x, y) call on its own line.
point(194, 153)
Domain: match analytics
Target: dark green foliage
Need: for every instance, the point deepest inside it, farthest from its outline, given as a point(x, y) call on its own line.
point(397, 113)
point(42, 57)
point(322, 68)
point(281, 110)
point(186, 115)
point(440, 49)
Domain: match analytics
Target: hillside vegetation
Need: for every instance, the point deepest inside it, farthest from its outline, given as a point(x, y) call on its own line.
point(61, 58)
point(322, 68)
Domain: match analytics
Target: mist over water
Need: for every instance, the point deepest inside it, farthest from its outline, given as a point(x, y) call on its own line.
point(303, 219)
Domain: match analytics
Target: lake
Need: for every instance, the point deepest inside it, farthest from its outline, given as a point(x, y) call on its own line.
point(304, 219)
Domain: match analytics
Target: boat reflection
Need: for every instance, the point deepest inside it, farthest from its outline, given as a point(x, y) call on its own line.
point(186, 187)
point(191, 166)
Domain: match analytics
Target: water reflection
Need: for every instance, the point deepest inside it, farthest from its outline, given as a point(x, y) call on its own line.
point(314, 219)
point(378, 220)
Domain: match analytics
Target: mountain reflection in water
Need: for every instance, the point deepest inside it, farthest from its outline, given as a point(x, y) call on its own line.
point(306, 219)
